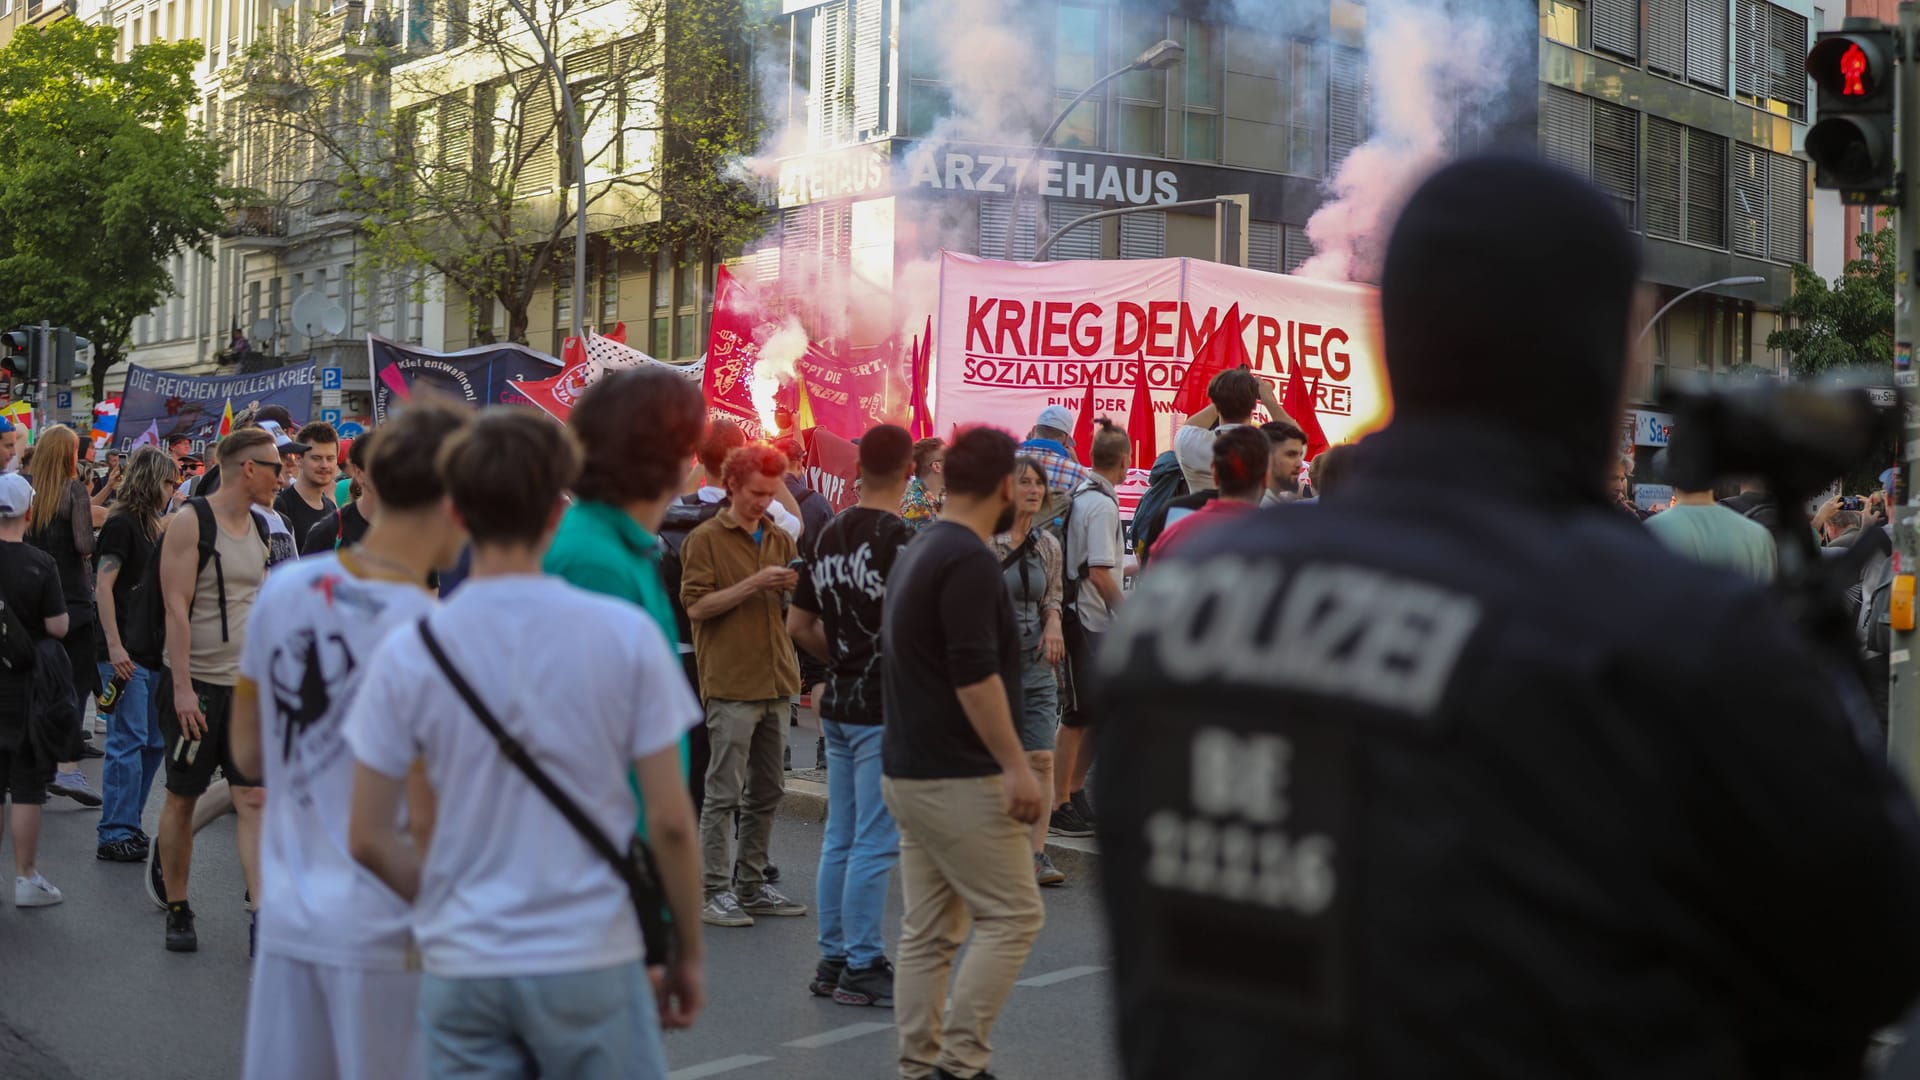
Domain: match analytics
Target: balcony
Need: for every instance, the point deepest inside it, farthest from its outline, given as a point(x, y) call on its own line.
point(270, 80)
point(255, 228)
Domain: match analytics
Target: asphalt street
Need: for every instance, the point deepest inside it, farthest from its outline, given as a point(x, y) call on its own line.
point(87, 991)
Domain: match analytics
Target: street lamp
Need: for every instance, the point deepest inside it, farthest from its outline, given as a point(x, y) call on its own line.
point(1159, 56)
point(579, 168)
point(1746, 280)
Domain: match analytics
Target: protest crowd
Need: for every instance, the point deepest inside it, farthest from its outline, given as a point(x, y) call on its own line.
point(444, 878)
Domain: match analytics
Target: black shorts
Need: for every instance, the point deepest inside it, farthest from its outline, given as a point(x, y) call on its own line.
point(1076, 698)
point(22, 778)
point(190, 764)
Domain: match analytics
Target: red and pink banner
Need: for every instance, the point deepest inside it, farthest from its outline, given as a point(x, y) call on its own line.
point(1013, 338)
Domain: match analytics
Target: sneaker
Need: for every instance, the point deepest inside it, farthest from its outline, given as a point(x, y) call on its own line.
point(1045, 872)
point(1079, 801)
point(767, 900)
point(180, 935)
point(721, 909)
point(127, 849)
point(826, 976)
point(156, 884)
point(35, 891)
point(74, 786)
point(1066, 821)
point(866, 986)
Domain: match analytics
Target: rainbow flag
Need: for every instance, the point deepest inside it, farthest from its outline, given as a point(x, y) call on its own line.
point(20, 415)
point(226, 420)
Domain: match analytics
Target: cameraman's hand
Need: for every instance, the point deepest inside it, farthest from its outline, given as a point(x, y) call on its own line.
point(1827, 510)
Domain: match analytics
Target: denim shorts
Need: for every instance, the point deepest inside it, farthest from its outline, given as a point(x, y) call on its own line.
point(583, 1025)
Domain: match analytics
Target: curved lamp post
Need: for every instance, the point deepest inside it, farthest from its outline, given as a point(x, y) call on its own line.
point(1746, 280)
point(1160, 56)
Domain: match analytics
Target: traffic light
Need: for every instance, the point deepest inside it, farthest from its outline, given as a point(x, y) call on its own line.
point(66, 349)
point(1851, 143)
point(16, 350)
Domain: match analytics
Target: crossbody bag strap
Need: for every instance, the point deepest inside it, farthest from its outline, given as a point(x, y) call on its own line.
point(517, 753)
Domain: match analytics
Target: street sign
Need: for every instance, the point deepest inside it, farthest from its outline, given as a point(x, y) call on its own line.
point(330, 399)
point(351, 430)
point(331, 416)
point(63, 400)
point(332, 378)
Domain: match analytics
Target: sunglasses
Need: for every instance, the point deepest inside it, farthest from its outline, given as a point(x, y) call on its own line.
point(276, 466)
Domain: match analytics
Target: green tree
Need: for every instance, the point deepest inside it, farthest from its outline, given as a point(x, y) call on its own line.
point(103, 178)
point(1847, 324)
point(459, 163)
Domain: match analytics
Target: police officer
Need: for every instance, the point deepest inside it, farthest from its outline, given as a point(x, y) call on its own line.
point(1461, 774)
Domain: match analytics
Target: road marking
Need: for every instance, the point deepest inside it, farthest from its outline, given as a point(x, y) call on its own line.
point(828, 1038)
point(1060, 976)
point(715, 1068)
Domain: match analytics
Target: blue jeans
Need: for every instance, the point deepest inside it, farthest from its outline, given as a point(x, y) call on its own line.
point(861, 846)
point(135, 749)
point(590, 1025)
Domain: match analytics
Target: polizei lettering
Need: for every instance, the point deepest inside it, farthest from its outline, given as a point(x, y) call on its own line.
point(1342, 631)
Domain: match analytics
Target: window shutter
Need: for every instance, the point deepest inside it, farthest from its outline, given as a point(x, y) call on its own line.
point(1663, 178)
point(1749, 200)
point(1786, 56)
point(1346, 105)
point(1706, 189)
point(993, 230)
point(828, 103)
point(456, 146)
point(1750, 50)
point(1616, 139)
point(868, 52)
point(1263, 246)
point(1707, 42)
point(1667, 36)
point(799, 244)
point(1616, 27)
point(1787, 209)
point(1566, 130)
point(1144, 236)
point(1083, 242)
point(537, 147)
point(1296, 249)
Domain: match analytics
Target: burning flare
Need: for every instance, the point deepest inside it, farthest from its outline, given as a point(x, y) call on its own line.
point(778, 364)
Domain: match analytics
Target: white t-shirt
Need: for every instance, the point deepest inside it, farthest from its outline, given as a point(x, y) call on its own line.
point(313, 631)
point(280, 543)
point(1095, 537)
point(588, 685)
point(1193, 449)
point(781, 516)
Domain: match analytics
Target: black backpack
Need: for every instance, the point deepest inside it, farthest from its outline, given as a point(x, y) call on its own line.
point(1165, 483)
point(145, 629)
point(684, 515)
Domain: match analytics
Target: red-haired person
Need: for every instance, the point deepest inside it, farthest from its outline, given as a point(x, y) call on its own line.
point(1241, 458)
point(734, 576)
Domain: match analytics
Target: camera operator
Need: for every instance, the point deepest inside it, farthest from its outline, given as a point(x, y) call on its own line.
point(1460, 773)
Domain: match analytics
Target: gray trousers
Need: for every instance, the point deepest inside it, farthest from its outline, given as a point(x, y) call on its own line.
point(746, 773)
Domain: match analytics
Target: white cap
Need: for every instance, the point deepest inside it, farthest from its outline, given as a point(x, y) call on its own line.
point(272, 427)
point(1056, 417)
point(15, 495)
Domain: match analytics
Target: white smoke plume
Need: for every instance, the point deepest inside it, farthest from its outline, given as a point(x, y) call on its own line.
point(1434, 74)
point(778, 364)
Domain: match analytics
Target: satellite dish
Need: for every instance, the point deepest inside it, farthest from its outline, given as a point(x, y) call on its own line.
point(333, 320)
point(261, 330)
point(309, 309)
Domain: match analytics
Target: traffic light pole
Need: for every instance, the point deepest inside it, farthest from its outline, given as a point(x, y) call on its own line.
point(43, 377)
point(1903, 727)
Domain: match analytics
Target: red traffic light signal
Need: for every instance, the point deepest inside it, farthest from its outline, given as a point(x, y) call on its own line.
point(1848, 66)
point(1851, 141)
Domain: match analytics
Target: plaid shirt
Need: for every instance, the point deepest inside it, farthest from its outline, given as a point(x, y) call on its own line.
point(1064, 474)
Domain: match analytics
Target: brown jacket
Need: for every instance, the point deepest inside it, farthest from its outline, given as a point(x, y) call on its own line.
point(745, 654)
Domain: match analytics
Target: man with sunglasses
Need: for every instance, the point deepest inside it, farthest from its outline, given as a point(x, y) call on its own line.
point(207, 603)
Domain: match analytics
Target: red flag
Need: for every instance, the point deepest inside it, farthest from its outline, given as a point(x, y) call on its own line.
point(1140, 420)
point(1223, 350)
point(1298, 404)
point(1083, 426)
point(731, 350)
point(920, 424)
point(619, 333)
point(573, 354)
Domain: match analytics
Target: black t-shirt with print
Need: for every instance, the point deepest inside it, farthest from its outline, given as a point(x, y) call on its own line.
point(844, 584)
point(122, 537)
point(301, 518)
point(947, 623)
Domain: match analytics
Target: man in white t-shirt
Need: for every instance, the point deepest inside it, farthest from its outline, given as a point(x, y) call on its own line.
point(532, 950)
point(336, 985)
point(1234, 393)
